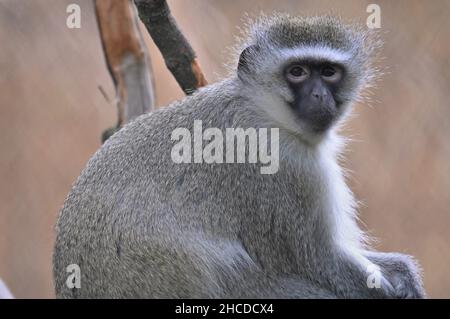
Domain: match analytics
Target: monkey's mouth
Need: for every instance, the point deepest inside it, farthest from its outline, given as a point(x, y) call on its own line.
point(318, 118)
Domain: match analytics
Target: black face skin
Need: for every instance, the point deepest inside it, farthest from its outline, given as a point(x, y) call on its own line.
point(314, 85)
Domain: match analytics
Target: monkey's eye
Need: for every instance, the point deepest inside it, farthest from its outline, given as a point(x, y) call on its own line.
point(297, 73)
point(331, 74)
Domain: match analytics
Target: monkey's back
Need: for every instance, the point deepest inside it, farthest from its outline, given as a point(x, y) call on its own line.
point(132, 205)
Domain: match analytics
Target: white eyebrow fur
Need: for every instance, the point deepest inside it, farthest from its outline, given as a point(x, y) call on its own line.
point(317, 53)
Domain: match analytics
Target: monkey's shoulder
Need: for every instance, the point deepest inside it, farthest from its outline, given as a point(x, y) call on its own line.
point(142, 148)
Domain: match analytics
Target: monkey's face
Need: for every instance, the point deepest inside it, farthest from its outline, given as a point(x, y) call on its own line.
point(305, 93)
point(315, 86)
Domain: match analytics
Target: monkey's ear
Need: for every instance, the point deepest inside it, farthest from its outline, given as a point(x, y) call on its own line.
point(245, 57)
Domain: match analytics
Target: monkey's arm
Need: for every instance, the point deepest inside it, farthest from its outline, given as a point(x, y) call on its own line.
point(402, 271)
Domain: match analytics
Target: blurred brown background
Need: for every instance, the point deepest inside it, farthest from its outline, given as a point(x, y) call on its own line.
point(52, 115)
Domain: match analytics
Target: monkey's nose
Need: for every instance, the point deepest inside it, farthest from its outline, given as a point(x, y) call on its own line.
point(319, 95)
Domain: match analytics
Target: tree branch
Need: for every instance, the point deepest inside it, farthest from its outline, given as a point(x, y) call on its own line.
point(127, 59)
point(178, 54)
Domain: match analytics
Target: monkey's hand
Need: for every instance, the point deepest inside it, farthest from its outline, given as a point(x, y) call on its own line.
point(402, 271)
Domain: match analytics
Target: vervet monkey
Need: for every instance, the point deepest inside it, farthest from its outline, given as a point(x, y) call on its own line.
point(140, 225)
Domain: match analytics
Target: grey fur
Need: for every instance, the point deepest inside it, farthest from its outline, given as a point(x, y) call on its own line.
point(141, 226)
